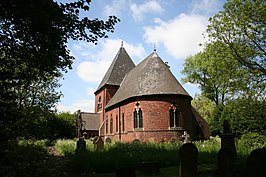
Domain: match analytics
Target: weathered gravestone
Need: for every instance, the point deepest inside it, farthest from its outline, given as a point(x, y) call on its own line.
point(256, 163)
point(188, 154)
point(150, 168)
point(136, 141)
point(227, 154)
point(98, 144)
point(125, 172)
point(81, 145)
point(186, 137)
point(108, 140)
point(228, 139)
point(226, 160)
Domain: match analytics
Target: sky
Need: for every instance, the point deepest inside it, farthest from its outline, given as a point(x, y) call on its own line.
point(174, 28)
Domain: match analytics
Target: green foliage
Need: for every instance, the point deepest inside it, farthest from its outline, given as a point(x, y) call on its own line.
point(216, 122)
point(33, 53)
point(204, 106)
point(65, 147)
point(25, 159)
point(37, 124)
point(241, 26)
point(246, 115)
point(30, 158)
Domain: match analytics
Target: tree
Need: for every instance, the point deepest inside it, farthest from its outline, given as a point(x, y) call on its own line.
point(204, 106)
point(242, 27)
point(221, 78)
point(33, 50)
point(246, 115)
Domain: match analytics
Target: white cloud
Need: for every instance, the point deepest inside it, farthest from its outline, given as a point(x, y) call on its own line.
point(98, 61)
point(206, 7)
point(139, 11)
point(116, 7)
point(85, 105)
point(180, 36)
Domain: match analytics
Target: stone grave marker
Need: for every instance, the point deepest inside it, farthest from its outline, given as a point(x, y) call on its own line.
point(108, 140)
point(81, 145)
point(256, 163)
point(188, 154)
point(136, 141)
point(150, 168)
point(228, 139)
point(186, 137)
point(125, 172)
point(98, 144)
point(226, 160)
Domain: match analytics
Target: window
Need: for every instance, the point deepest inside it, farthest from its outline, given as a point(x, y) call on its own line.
point(106, 126)
point(174, 116)
point(138, 117)
point(111, 124)
point(99, 104)
point(123, 122)
point(116, 123)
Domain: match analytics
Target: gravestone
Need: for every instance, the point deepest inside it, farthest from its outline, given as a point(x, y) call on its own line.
point(256, 163)
point(81, 145)
point(150, 168)
point(186, 137)
point(226, 160)
point(188, 154)
point(125, 172)
point(136, 141)
point(228, 139)
point(108, 140)
point(98, 144)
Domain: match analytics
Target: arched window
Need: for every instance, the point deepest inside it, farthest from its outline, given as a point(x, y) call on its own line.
point(106, 126)
point(111, 124)
point(138, 119)
point(116, 123)
point(174, 116)
point(99, 104)
point(123, 122)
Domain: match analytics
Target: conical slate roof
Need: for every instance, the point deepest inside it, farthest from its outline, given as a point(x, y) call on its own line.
point(150, 77)
point(120, 66)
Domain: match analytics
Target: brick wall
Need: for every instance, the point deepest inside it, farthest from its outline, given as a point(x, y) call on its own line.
point(156, 119)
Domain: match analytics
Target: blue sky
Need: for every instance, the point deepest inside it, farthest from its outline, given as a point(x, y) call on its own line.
point(174, 27)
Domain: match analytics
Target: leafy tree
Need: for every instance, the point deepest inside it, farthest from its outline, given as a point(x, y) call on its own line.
point(242, 27)
point(204, 106)
point(246, 115)
point(33, 51)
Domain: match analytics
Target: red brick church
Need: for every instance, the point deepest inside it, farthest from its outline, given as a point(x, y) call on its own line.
point(143, 102)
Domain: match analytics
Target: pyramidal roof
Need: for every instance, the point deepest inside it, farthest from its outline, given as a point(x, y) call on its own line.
point(120, 66)
point(150, 77)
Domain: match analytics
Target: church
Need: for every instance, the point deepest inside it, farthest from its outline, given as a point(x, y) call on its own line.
point(143, 102)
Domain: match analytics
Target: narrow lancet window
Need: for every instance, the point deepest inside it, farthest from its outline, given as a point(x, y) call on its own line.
point(138, 119)
point(174, 116)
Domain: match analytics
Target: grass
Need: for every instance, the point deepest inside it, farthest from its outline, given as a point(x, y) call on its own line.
point(31, 158)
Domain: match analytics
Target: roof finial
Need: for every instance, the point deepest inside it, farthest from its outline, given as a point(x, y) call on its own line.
point(154, 48)
point(121, 43)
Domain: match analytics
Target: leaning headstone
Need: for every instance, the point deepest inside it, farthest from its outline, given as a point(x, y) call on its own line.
point(98, 144)
point(188, 154)
point(125, 172)
point(226, 160)
point(150, 168)
point(81, 145)
point(256, 163)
